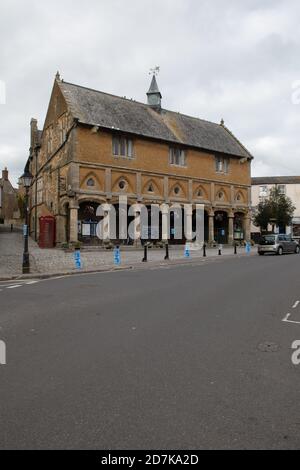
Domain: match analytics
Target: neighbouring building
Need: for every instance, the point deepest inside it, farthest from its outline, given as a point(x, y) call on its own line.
point(95, 146)
point(9, 211)
point(288, 185)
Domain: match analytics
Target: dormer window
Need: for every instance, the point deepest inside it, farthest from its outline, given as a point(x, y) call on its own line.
point(122, 147)
point(177, 156)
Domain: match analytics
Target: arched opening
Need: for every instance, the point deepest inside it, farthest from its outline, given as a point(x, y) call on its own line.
point(221, 227)
point(87, 222)
point(238, 226)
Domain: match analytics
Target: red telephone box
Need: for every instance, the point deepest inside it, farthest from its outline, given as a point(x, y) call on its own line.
point(47, 232)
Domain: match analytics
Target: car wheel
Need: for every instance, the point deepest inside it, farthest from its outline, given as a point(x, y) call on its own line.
point(280, 251)
point(297, 250)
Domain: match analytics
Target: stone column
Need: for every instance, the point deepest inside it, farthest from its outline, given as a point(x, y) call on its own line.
point(74, 223)
point(211, 227)
point(230, 228)
point(166, 189)
point(139, 186)
point(108, 188)
point(247, 228)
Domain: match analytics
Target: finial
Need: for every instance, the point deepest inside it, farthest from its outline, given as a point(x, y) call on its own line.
point(57, 76)
point(222, 122)
point(155, 71)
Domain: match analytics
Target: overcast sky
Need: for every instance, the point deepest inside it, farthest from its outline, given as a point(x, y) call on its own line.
point(236, 60)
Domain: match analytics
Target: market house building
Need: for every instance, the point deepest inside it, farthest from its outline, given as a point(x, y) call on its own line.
point(95, 146)
point(288, 185)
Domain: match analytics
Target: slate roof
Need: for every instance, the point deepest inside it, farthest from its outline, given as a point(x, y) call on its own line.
point(96, 108)
point(275, 180)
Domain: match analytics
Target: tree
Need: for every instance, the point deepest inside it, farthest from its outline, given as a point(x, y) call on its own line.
point(277, 210)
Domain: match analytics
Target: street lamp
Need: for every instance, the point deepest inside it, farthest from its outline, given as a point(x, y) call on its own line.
point(26, 181)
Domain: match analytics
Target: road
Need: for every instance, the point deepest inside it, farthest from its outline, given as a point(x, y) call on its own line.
point(189, 357)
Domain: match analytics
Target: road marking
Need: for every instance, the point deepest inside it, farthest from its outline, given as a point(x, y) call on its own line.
point(291, 321)
point(296, 304)
point(31, 283)
point(287, 317)
point(13, 287)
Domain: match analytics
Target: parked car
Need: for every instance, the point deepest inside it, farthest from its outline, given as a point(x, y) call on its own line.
point(278, 244)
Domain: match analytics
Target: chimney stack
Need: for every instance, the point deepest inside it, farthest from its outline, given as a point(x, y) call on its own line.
point(5, 174)
point(33, 132)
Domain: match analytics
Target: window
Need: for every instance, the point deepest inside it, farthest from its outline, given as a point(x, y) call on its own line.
point(90, 182)
point(263, 191)
point(150, 188)
point(220, 195)
point(200, 193)
point(222, 164)
point(177, 157)
point(177, 190)
point(122, 147)
point(122, 185)
point(281, 188)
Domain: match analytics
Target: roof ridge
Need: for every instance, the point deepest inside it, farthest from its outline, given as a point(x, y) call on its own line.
point(131, 100)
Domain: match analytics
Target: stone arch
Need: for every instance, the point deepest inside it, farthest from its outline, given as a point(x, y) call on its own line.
point(91, 175)
point(203, 191)
point(152, 183)
point(223, 191)
point(239, 197)
point(127, 189)
point(181, 195)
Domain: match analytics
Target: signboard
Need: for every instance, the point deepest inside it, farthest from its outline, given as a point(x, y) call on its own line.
point(25, 230)
point(86, 230)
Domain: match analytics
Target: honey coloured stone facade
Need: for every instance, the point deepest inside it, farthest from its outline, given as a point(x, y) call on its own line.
point(95, 147)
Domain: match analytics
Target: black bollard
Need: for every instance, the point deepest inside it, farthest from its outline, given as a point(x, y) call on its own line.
point(167, 257)
point(220, 251)
point(235, 249)
point(204, 250)
point(145, 259)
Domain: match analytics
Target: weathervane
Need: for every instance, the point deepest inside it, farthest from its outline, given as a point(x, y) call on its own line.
point(155, 71)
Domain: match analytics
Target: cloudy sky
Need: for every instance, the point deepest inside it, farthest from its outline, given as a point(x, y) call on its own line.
point(239, 60)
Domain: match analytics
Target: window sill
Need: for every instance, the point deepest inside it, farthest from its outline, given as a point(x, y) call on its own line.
point(178, 166)
point(121, 157)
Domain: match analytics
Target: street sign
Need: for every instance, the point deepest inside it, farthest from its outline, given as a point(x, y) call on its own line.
point(187, 251)
point(77, 257)
point(117, 256)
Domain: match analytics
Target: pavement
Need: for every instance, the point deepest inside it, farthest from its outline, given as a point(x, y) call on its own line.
point(47, 263)
point(174, 357)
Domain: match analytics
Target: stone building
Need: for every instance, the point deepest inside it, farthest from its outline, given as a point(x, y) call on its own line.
point(9, 212)
point(288, 185)
point(95, 146)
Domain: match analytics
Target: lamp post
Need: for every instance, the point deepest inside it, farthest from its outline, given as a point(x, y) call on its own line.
point(26, 180)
